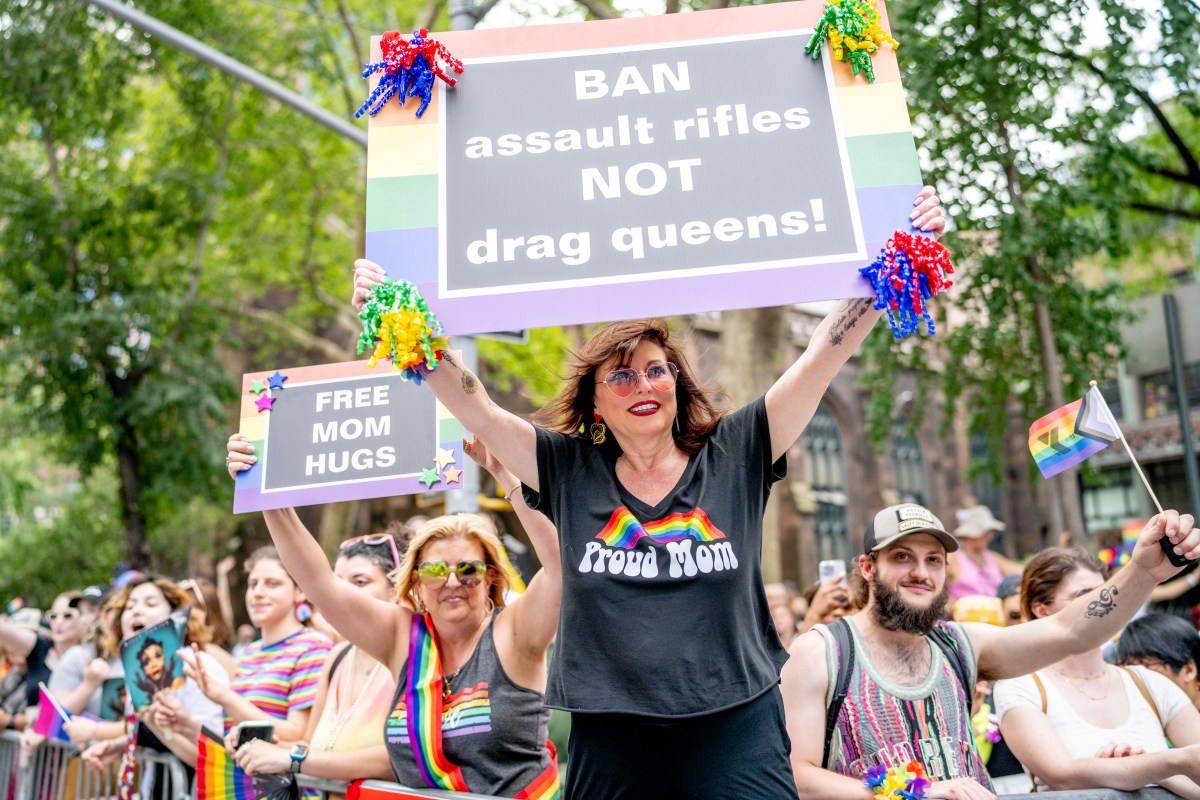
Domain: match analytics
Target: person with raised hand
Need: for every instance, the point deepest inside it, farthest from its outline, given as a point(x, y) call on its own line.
point(468, 712)
point(873, 685)
point(666, 638)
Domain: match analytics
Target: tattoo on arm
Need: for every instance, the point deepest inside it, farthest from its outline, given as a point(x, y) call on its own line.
point(848, 317)
point(469, 382)
point(1104, 603)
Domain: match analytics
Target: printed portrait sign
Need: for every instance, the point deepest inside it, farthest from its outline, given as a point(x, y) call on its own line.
point(344, 431)
point(152, 663)
point(639, 167)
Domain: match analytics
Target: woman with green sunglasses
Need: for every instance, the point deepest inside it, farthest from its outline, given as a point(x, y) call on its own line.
point(468, 713)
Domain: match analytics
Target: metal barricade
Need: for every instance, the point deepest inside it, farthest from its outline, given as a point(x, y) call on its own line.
point(385, 790)
point(10, 761)
point(56, 772)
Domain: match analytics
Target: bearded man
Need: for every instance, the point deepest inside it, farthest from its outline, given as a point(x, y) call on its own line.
point(892, 683)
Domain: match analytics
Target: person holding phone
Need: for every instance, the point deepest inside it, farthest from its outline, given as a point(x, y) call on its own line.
point(344, 740)
point(277, 676)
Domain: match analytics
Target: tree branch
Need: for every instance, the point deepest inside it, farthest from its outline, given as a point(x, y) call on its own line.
point(338, 67)
point(1191, 165)
point(597, 9)
point(210, 213)
point(429, 14)
point(1166, 211)
point(299, 336)
point(363, 55)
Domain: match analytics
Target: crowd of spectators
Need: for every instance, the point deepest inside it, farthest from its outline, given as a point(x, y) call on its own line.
point(1121, 715)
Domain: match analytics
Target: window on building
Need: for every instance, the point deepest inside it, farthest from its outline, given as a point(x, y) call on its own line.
point(827, 471)
point(1111, 389)
point(985, 488)
point(1112, 497)
point(1158, 391)
point(909, 464)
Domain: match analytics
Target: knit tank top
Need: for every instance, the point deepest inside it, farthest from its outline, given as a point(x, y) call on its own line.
point(494, 730)
point(882, 723)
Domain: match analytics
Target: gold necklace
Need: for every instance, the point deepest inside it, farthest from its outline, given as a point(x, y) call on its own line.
point(345, 713)
point(1071, 682)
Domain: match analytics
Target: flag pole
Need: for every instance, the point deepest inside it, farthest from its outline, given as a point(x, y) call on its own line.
point(1133, 459)
point(62, 712)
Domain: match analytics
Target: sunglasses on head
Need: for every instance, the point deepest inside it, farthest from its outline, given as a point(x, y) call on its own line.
point(189, 585)
point(374, 540)
point(435, 573)
point(624, 382)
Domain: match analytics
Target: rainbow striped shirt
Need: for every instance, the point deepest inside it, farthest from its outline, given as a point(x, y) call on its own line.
point(282, 676)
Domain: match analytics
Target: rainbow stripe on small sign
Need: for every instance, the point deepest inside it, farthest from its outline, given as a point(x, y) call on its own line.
point(408, 208)
point(338, 432)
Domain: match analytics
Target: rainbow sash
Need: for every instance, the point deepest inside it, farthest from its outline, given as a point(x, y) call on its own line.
point(424, 697)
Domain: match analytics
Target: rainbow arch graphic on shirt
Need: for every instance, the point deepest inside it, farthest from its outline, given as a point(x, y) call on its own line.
point(623, 529)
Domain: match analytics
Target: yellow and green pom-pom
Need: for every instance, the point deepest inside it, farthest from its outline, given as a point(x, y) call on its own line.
point(398, 326)
point(854, 33)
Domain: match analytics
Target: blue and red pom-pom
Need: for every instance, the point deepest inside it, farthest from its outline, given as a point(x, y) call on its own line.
point(409, 70)
point(909, 270)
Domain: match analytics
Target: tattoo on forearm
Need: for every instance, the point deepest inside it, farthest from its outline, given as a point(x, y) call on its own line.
point(469, 382)
point(848, 318)
point(1104, 603)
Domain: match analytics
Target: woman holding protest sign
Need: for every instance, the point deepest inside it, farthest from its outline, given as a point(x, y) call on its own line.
point(666, 639)
point(470, 667)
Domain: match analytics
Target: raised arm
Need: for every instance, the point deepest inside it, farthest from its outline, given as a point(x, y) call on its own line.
point(511, 438)
point(16, 640)
point(1091, 620)
point(373, 625)
point(793, 400)
point(532, 618)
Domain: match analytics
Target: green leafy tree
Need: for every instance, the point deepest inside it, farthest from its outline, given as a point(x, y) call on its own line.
point(1019, 108)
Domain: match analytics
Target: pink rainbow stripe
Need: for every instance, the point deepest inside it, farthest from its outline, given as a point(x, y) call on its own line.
point(424, 700)
point(624, 530)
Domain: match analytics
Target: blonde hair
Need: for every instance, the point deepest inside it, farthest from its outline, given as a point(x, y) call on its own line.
point(196, 632)
point(452, 526)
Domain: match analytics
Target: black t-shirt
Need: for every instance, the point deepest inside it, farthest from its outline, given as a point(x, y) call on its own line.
point(663, 610)
point(38, 671)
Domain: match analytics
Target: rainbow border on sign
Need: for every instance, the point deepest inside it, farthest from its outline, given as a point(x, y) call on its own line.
point(403, 175)
point(248, 494)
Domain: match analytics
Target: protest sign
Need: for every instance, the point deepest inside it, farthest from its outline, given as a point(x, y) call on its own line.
point(343, 431)
point(639, 167)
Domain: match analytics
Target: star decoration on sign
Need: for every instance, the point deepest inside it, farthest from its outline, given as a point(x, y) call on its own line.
point(452, 474)
point(264, 402)
point(429, 477)
point(276, 380)
point(258, 387)
point(444, 458)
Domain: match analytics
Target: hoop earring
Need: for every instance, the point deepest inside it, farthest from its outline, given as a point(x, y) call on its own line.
point(598, 431)
point(491, 606)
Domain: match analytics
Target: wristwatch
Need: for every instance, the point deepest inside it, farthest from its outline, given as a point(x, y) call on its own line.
point(299, 753)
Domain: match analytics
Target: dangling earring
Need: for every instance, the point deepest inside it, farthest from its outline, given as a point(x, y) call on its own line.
point(304, 612)
point(598, 431)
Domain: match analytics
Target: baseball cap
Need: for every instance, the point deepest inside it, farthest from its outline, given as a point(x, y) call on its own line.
point(1009, 586)
point(92, 594)
point(975, 521)
point(900, 520)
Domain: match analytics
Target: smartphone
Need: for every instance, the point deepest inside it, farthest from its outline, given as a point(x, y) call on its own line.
point(831, 571)
point(255, 730)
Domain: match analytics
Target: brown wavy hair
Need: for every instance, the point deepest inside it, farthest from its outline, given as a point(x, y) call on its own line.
point(1049, 568)
point(697, 413)
point(452, 526)
point(197, 632)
